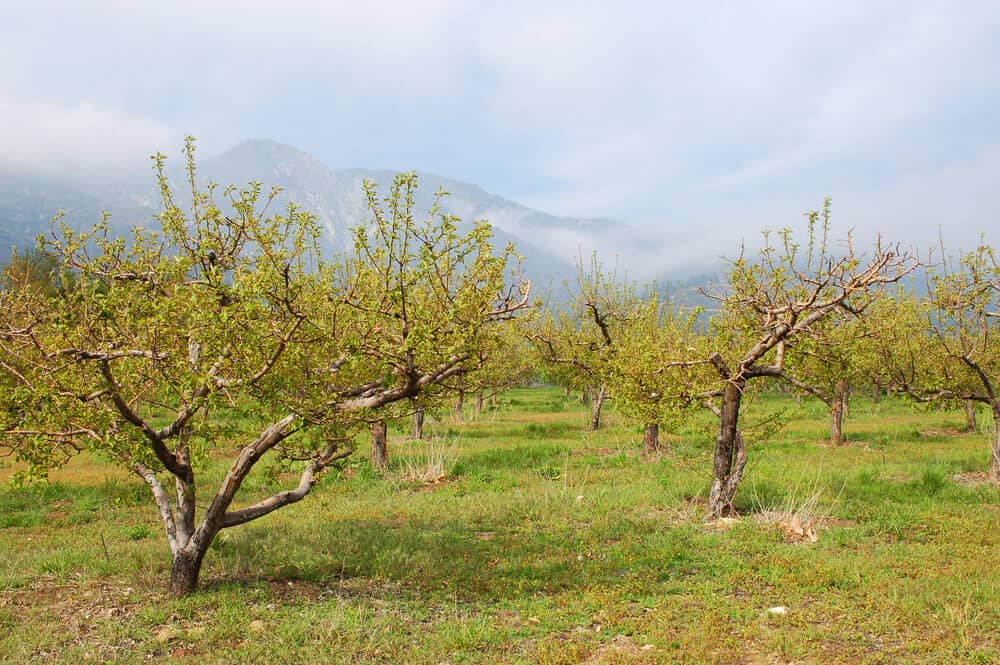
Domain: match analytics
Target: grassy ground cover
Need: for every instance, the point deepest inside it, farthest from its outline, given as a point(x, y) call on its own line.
point(544, 543)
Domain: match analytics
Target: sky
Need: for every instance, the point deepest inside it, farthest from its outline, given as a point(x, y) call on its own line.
point(701, 123)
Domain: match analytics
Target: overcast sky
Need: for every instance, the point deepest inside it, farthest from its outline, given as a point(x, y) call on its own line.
point(703, 124)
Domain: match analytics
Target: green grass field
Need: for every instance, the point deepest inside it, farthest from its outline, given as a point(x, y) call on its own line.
point(545, 543)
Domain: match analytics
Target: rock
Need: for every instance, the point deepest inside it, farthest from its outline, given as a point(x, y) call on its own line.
point(166, 634)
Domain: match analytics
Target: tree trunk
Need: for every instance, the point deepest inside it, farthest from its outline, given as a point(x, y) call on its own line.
point(418, 424)
point(585, 395)
point(876, 392)
point(970, 416)
point(651, 439)
point(479, 403)
point(459, 404)
point(837, 411)
point(493, 400)
point(995, 453)
point(595, 408)
point(568, 391)
point(380, 449)
point(185, 569)
point(730, 453)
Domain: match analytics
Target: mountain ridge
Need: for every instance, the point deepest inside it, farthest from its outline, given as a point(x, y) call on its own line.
point(551, 245)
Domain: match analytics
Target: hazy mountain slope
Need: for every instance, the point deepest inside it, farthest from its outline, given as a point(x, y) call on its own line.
point(550, 245)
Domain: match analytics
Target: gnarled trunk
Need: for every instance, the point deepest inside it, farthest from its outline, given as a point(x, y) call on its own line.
point(418, 424)
point(970, 416)
point(380, 449)
point(730, 453)
point(596, 402)
point(651, 439)
point(837, 410)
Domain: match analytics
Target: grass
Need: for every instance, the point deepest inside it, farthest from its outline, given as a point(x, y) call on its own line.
point(544, 543)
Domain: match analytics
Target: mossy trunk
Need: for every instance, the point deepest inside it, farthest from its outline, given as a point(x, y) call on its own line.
point(380, 447)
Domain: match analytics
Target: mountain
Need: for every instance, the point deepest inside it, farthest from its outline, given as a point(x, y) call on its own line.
point(550, 245)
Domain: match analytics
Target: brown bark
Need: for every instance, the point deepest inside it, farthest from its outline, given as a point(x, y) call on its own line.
point(479, 403)
point(418, 424)
point(651, 439)
point(459, 404)
point(995, 451)
point(597, 401)
point(876, 392)
point(185, 568)
point(837, 409)
point(970, 416)
point(730, 452)
point(380, 449)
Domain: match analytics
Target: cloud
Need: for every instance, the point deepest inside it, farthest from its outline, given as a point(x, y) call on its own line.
point(700, 124)
point(76, 141)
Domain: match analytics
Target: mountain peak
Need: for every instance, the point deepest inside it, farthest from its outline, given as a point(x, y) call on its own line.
point(270, 162)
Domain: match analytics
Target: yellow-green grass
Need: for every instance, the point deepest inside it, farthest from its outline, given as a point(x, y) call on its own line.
point(545, 544)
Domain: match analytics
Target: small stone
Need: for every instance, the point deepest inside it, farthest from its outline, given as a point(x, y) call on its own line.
point(166, 634)
point(256, 626)
point(779, 610)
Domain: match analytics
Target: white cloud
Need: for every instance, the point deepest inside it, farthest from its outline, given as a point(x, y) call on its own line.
point(80, 141)
point(700, 123)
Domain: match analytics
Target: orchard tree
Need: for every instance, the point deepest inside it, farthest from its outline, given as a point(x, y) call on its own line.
point(647, 343)
point(505, 362)
point(35, 269)
point(222, 324)
point(575, 339)
point(786, 292)
point(826, 360)
point(948, 347)
point(418, 304)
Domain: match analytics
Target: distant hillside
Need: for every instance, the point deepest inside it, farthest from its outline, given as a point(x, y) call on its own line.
point(550, 244)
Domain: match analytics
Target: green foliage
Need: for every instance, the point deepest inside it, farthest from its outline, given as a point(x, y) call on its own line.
point(508, 564)
point(222, 324)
